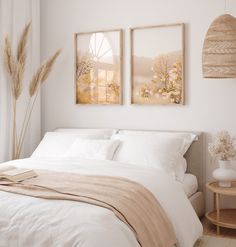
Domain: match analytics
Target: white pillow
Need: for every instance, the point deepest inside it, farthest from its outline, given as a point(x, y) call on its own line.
point(106, 132)
point(93, 149)
point(187, 136)
point(55, 144)
point(173, 164)
point(160, 152)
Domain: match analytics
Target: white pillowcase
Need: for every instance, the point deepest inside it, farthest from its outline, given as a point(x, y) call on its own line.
point(93, 149)
point(161, 152)
point(187, 136)
point(55, 144)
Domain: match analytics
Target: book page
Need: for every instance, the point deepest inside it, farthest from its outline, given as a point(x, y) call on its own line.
point(16, 171)
point(4, 168)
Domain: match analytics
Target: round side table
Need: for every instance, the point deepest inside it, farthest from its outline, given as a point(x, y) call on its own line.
point(222, 217)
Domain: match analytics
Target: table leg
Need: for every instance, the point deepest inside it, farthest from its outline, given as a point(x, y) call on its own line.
point(214, 201)
point(217, 205)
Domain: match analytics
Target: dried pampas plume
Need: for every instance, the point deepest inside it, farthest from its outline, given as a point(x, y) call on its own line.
point(35, 82)
point(48, 65)
point(21, 48)
point(8, 57)
point(17, 79)
point(15, 67)
point(42, 73)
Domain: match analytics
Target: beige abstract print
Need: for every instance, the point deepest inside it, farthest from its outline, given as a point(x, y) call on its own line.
point(157, 65)
point(98, 67)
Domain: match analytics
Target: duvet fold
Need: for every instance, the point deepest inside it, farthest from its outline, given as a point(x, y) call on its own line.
point(130, 201)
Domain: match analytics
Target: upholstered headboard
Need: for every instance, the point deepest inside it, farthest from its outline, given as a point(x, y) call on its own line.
point(195, 160)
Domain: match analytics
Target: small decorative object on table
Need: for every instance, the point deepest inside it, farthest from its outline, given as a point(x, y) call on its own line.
point(223, 148)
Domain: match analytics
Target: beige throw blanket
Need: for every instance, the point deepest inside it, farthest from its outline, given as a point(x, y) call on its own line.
point(131, 202)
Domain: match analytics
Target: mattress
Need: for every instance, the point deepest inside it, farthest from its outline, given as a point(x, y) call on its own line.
point(189, 184)
point(196, 198)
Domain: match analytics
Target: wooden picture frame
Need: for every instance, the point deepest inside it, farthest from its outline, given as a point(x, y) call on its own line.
point(99, 67)
point(157, 64)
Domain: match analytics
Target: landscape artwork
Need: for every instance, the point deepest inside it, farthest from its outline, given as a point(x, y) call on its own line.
point(98, 72)
point(157, 62)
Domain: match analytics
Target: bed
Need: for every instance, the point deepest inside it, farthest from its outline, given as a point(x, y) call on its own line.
point(31, 221)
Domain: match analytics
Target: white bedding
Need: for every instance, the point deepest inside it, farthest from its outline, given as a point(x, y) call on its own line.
point(27, 221)
point(189, 184)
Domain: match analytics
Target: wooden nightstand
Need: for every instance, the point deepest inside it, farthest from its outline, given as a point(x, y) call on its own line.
point(222, 217)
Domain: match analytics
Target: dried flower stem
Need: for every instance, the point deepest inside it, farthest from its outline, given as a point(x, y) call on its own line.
point(22, 128)
point(34, 88)
point(25, 126)
point(14, 144)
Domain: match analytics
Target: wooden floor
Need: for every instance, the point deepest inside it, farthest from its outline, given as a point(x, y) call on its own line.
point(210, 230)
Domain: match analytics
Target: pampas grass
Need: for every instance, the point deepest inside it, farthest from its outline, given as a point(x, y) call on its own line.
point(21, 48)
point(38, 78)
point(15, 66)
point(48, 65)
point(8, 56)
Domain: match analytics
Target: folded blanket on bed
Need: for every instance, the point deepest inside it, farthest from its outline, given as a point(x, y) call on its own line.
point(131, 202)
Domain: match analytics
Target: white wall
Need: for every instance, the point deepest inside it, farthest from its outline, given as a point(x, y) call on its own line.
point(210, 104)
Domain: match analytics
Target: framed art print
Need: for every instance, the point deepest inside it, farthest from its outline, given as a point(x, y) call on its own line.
point(98, 67)
point(157, 65)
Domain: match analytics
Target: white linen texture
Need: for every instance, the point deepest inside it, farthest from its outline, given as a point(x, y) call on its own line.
point(188, 137)
point(56, 144)
point(93, 149)
point(27, 221)
point(156, 151)
point(189, 184)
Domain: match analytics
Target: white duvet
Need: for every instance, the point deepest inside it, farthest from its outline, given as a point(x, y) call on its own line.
point(32, 222)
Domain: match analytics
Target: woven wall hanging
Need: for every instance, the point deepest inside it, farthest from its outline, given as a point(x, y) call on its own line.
point(219, 49)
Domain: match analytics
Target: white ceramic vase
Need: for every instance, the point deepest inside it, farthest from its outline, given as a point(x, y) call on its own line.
point(224, 174)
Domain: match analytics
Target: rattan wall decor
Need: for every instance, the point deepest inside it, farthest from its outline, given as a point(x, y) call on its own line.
point(219, 49)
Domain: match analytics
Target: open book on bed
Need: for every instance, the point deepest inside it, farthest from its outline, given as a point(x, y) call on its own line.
point(15, 174)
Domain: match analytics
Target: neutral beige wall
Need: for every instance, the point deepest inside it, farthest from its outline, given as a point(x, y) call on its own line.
point(210, 104)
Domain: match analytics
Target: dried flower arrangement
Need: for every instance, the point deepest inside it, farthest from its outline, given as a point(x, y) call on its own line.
point(223, 146)
point(15, 66)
